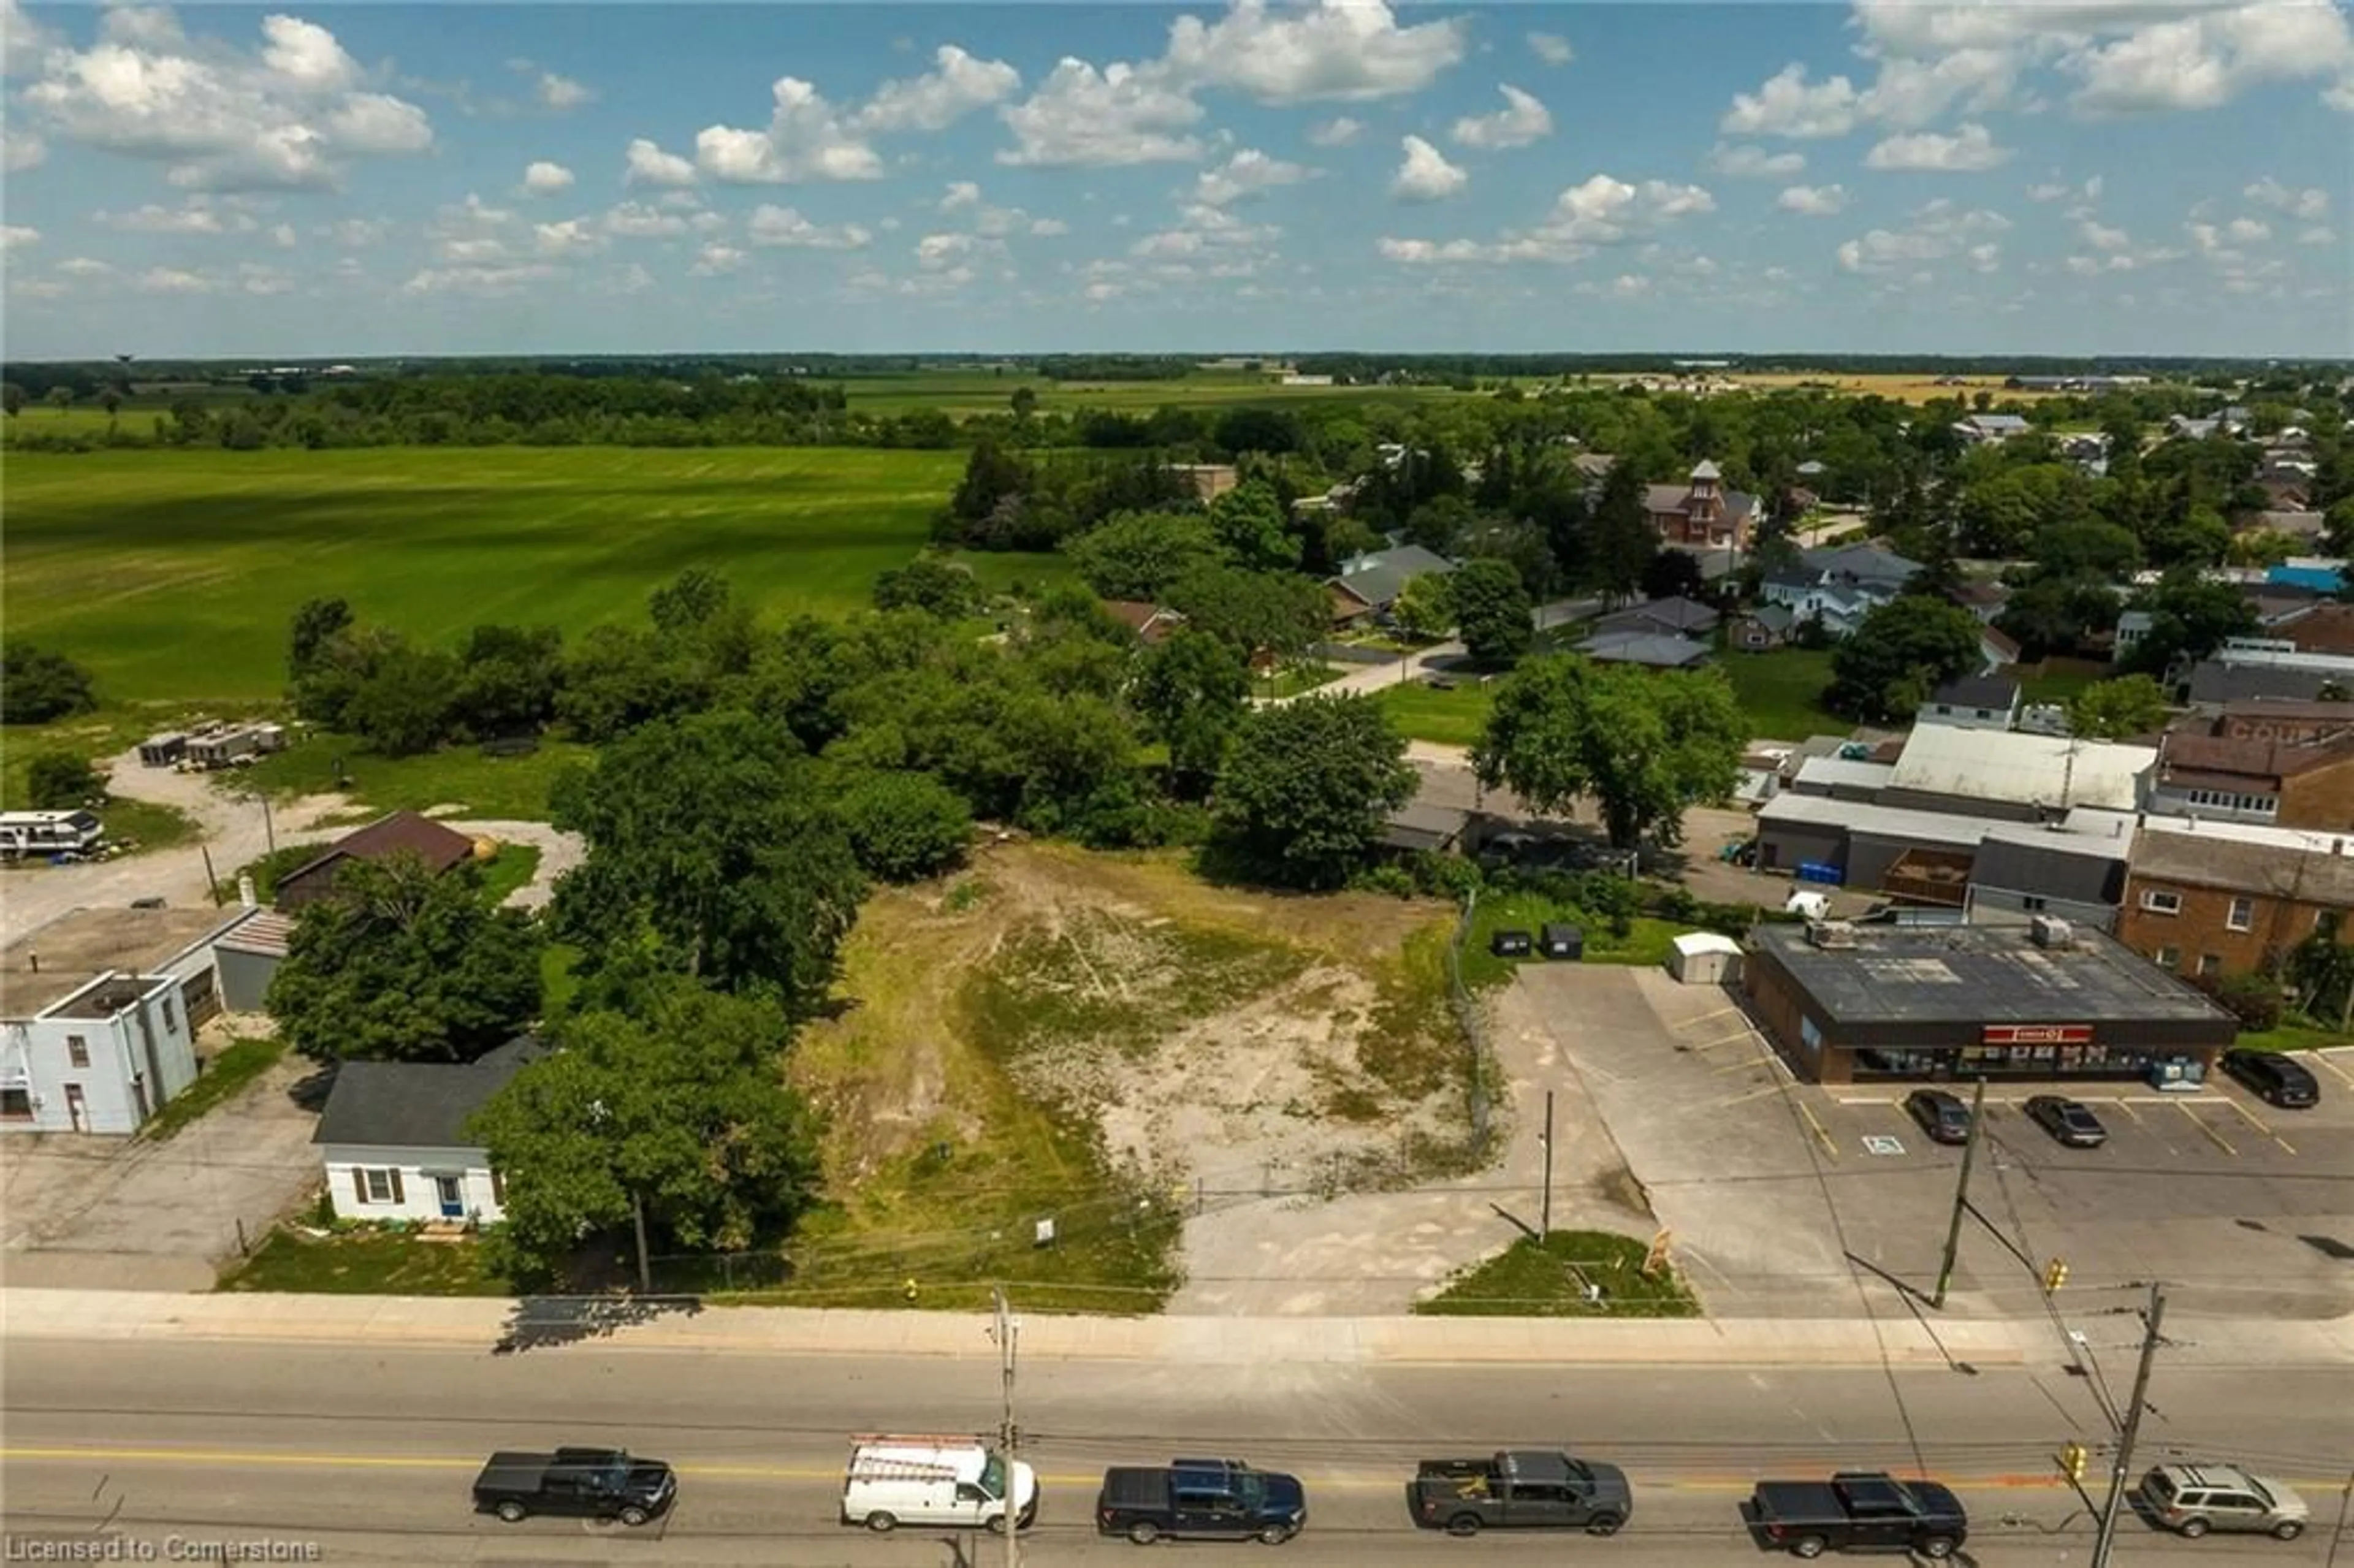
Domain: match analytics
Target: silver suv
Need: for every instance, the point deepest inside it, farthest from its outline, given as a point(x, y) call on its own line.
point(2191, 1499)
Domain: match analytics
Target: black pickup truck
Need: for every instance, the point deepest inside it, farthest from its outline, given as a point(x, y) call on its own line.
point(593, 1483)
point(1215, 1498)
point(1519, 1489)
point(1856, 1512)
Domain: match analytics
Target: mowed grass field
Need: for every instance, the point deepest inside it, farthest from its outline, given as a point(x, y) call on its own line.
point(961, 392)
point(173, 575)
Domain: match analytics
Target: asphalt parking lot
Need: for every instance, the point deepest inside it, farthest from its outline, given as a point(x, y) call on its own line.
point(1771, 1188)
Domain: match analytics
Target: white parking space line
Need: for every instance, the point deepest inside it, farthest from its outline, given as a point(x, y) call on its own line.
point(2253, 1120)
point(2201, 1124)
point(2329, 1060)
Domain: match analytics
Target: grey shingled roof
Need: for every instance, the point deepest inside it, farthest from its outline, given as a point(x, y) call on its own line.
point(1378, 577)
point(416, 1105)
point(1977, 691)
point(1654, 649)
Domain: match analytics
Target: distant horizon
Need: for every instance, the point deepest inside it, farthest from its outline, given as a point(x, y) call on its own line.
point(1696, 360)
point(422, 180)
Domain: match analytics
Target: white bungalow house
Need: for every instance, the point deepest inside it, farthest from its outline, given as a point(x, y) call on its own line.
point(393, 1142)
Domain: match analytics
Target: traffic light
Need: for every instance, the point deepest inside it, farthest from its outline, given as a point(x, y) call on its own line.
point(2055, 1274)
point(2071, 1461)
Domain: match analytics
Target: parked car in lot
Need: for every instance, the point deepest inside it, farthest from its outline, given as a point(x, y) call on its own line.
point(1942, 1116)
point(1519, 1489)
point(2067, 1121)
point(1214, 1498)
point(2274, 1078)
point(582, 1483)
point(1857, 1512)
point(2191, 1499)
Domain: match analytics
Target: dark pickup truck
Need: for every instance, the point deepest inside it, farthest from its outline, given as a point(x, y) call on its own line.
point(1519, 1489)
point(594, 1483)
point(1856, 1512)
point(1214, 1498)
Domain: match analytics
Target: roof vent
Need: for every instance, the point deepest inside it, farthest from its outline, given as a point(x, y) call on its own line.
point(2050, 931)
point(1831, 934)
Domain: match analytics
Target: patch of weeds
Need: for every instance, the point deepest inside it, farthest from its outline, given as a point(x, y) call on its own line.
point(1410, 1044)
point(373, 1261)
point(239, 1063)
point(1569, 1274)
point(966, 895)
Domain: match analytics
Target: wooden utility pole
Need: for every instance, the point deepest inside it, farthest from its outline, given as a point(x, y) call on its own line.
point(1961, 1200)
point(1545, 1223)
point(1007, 1327)
point(2151, 1319)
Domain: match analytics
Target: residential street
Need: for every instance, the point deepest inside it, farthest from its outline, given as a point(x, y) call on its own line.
point(368, 1452)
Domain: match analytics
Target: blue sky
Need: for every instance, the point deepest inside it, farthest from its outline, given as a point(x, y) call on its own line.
point(2074, 176)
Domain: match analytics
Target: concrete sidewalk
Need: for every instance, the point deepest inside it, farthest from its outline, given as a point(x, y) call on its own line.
point(28, 1315)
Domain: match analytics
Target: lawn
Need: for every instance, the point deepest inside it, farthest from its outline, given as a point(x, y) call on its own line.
point(1548, 1279)
point(514, 788)
point(1453, 718)
point(237, 1064)
point(2058, 680)
point(958, 392)
point(1292, 680)
point(1646, 941)
point(2293, 1033)
point(98, 735)
point(174, 573)
point(1782, 691)
point(512, 867)
point(365, 1262)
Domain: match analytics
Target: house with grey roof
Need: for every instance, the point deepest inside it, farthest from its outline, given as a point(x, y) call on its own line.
point(1368, 585)
point(1654, 650)
point(1974, 702)
point(395, 1143)
point(1676, 617)
point(1840, 585)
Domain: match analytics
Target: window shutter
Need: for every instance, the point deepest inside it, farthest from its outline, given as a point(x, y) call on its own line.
point(396, 1195)
point(359, 1183)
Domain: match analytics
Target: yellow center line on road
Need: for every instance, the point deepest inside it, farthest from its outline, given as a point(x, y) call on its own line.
point(1824, 1137)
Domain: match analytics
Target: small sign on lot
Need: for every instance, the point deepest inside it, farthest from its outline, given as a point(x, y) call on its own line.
point(1881, 1145)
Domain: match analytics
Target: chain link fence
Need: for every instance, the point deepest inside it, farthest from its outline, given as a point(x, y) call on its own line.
point(1479, 1059)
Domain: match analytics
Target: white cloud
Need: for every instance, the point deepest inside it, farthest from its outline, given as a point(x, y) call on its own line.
point(198, 216)
point(173, 280)
point(1787, 104)
point(253, 278)
point(544, 179)
point(1345, 50)
point(85, 266)
point(359, 233)
point(1935, 232)
point(1047, 228)
point(1083, 118)
point(22, 39)
point(1551, 48)
point(1426, 174)
point(481, 282)
point(1339, 132)
point(2206, 59)
point(2319, 233)
point(805, 140)
point(716, 260)
point(937, 252)
point(1210, 238)
point(1968, 151)
point(2101, 237)
point(648, 165)
point(1603, 211)
point(2304, 205)
point(283, 235)
point(286, 116)
point(2247, 231)
point(641, 220)
point(1813, 201)
point(1742, 162)
point(1520, 122)
point(573, 237)
point(21, 149)
point(561, 92)
point(786, 228)
point(13, 236)
point(1245, 175)
point(959, 84)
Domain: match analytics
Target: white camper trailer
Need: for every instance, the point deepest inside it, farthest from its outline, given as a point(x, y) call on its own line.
point(926, 1480)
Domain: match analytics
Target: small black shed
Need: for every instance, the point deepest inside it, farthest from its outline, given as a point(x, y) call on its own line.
point(1558, 941)
point(1510, 944)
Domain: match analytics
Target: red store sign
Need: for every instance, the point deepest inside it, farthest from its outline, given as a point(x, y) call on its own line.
point(2036, 1034)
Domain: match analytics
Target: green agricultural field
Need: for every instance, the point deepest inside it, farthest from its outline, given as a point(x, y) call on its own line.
point(959, 392)
point(172, 574)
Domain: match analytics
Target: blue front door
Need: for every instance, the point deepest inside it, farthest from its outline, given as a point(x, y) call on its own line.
point(453, 1202)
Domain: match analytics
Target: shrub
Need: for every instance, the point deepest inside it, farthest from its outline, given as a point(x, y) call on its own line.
point(905, 827)
point(2253, 1000)
point(60, 780)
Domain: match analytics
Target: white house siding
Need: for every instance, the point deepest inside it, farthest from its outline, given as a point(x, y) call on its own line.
point(37, 1056)
point(418, 1196)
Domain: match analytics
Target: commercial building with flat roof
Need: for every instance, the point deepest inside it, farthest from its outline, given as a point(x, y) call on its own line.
point(1847, 1003)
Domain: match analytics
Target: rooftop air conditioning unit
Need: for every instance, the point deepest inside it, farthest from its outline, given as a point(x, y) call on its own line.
point(2050, 931)
point(1832, 934)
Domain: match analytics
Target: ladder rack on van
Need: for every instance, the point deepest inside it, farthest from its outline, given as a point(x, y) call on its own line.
point(919, 1440)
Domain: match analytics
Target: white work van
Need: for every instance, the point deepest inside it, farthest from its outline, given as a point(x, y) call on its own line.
point(928, 1480)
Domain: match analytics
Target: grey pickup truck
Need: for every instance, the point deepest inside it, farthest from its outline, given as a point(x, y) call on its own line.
point(1519, 1489)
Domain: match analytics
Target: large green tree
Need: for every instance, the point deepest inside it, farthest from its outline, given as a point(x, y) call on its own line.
point(1279, 612)
point(1248, 522)
point(398, 963)
point(1492, 613)
point(60, 780)
point(669, 1117)
point(1140, 555)
point(2114, 709)
point(1621, 536)
point(1905, 650)
point(1307, 788)
point(1642, 745)
point(2189, 618)
point(714, 838)
point(1192, 690)
point(905, 826)
point(37, 685)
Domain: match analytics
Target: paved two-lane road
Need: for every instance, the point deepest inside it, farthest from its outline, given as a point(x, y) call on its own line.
point(369, 1453)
